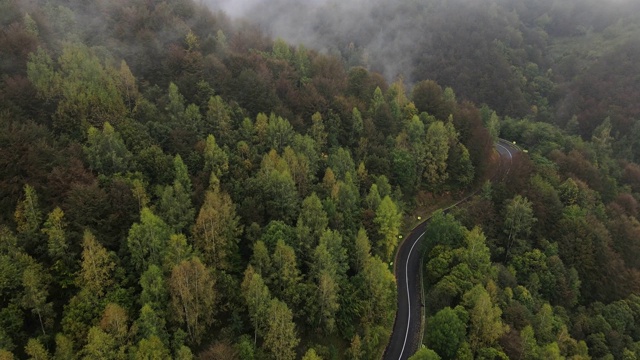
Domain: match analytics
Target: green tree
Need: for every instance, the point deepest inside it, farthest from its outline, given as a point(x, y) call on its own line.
point(389, 220)
point(193, 297)
point(100, 345)
point(127, 86)
point(36, 350)
point(218, 119)
point(35, 281)
point(42, 74)
point(285, 278)
point(318, 133)
point(175, 206)
point(476, 254)
point(191, 120)
point(64, 348)
point(280, 339)
point(216, 160)
point(378, 294)
point(311, 355)
point(54, 228)
point(425, 354)
point(446, 330)
point(312, 222)
point(28, 215)
point(460, 167)
point(300, 168)
point(261, 260)
point(150, 323)
point(436, 155)
point(175, 106)
point(257, 297)
point(358, 124)
point(530, 348)
point(217, 229)
point(147, 240)
point(277, 190)
point(485, 323)
point(115, 322)
point(281, 50)
point(151, 348)
point(327, 300)
point(373, 199)
point(86, 90)
point(341, 163)
point(177, 250)
point(279, 133)
point(106, 151)
point(362, 250)
point(96, 271)
point(518, 220)
point(154, 289)
point(355, 350)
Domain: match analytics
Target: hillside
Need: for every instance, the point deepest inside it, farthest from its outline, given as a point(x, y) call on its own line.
point(176, 183)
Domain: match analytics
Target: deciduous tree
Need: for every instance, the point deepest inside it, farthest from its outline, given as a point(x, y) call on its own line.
point(193, 297)
point(147, 240)
point(389, 219)
point(280, 339)
point(217, 229)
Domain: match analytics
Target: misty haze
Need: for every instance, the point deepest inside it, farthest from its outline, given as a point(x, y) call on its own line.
point(321, 179)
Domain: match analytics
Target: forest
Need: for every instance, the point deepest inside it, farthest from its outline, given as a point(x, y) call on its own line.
point(179, 184)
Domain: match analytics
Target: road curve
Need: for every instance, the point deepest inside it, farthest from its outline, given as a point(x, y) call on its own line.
point(405, 339)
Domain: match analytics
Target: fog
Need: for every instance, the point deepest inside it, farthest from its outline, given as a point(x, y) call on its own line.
point(360, 31)
point(384, 35)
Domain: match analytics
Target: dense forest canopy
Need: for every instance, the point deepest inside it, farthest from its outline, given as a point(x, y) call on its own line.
point(175, 183)
point(536, 58)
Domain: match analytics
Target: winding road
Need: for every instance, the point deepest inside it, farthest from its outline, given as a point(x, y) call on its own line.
point(406, 337)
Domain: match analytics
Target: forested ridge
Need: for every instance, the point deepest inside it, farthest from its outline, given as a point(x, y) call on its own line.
point(175, 184)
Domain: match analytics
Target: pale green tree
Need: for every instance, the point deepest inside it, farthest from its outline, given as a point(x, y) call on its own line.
point(217, 229)
point(36, 350)
point(97, 267)
point(485, 323)
point(362, 250)
point(260, 259)
point(311, 355)
point(218, 118)
point(389, 220)
point(36, 282)
point(28, 214)
point(193, 297)
point(147, 240)
point(152, 348)
point(436, 155)
point(257, 297)
point(216, 160)
point(154, 289)
point(318, 132)
point(280, 339)
point(178, 249)
point(285, 277)
point(312, 222)
point(54, 228)
point(425, 354)
point(64, 348)
point(100, 345)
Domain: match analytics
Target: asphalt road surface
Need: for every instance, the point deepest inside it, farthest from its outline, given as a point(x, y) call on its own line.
point(405, 339)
